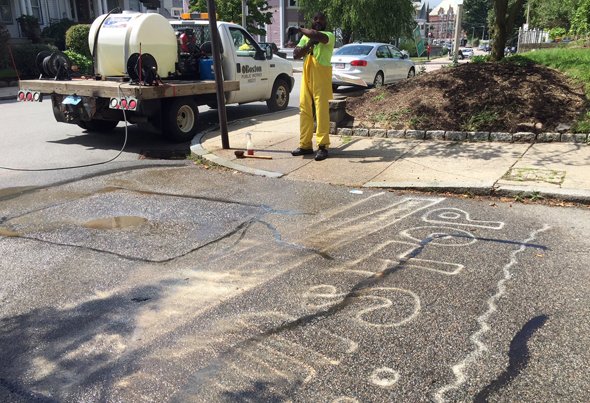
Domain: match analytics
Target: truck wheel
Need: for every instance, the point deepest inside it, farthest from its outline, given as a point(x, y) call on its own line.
point(279, 99)
point(180, 120)
point(99, 126)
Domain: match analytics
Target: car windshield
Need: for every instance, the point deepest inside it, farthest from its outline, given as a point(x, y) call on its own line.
point(354, 50)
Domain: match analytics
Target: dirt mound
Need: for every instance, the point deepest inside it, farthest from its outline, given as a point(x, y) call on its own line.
point(504, 97)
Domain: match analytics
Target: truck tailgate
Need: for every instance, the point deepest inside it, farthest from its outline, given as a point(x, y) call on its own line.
point(110, 89)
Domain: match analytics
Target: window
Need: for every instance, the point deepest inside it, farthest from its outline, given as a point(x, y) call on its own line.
point(36, 7)
point(395, 52)
point(293, 3)
point(243, 43)
point(383, 53)
point(5, 12)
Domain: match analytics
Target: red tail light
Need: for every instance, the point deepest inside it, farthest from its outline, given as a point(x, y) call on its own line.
point(358, 63)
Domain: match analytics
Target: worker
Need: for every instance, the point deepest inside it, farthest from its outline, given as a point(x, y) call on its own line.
point(315, 47)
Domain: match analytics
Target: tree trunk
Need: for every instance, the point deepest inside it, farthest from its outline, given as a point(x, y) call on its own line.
point(500, 8)
point(503, 25)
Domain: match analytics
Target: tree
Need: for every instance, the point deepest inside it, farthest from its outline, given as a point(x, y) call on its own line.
point(475, 15)
point(549, 14)
point(580, 24)
point(504, 16)
point(375, 20)
point(231, 10)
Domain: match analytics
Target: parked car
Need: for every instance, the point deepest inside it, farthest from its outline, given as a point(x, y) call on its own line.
point(459, 54)
point(467, 52)
point(370, 64)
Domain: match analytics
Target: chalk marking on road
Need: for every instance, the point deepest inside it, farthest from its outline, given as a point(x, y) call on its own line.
point(322, 291)
point(380, 302)
point(345, 399)
point(384, 377)
point(482, 320)
point(450, 215)
point(431, 265)
point(386, 304)
point(437, 237)
point(343, 233)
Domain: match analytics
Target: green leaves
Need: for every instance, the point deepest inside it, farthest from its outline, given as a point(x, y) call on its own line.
point(369, 20)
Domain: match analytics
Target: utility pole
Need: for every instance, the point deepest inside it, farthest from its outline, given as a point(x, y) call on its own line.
point(457, 30)
point(216, 45)
point(244, 13)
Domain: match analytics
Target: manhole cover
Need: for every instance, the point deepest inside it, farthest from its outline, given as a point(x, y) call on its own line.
point(164, 154)
point(535, 175)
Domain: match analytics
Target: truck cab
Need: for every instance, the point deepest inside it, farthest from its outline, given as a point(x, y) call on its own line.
point(262, 76)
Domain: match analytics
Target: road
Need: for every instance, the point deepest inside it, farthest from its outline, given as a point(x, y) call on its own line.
point(193, 284)
point(149, 280)
point(34, 142)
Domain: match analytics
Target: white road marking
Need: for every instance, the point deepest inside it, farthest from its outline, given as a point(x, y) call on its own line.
point(482, 320)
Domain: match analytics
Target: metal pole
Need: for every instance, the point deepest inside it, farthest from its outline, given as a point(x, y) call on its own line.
point(457, 32)
point(244, 13)
point(218, 73)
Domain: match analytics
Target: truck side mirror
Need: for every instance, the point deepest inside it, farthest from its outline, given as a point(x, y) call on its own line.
point(260, 54)
point(268, 51)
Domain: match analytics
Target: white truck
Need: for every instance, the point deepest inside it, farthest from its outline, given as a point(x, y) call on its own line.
point(157, 71)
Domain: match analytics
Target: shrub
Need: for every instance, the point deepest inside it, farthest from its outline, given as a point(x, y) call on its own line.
point(57, 32)
point(84, 63)
point(25, 58)
point(557, 33)
point(4, 37)
point(29, 25)
point(77, 39)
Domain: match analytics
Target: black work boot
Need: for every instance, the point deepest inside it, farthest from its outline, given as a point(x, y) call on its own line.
point(322, 154)
point(301, 151)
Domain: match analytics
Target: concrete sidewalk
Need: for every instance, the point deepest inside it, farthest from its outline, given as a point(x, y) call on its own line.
point(556, 170)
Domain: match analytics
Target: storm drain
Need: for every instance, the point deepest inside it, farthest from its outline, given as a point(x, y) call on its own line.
point(164, 154)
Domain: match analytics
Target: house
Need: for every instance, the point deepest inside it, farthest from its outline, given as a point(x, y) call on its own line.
point(442, 20)
point(49, 11)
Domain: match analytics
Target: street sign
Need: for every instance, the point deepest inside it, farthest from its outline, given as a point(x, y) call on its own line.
point(419, 41)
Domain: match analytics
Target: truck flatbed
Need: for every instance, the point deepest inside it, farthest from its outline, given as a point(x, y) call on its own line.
point(110, 89)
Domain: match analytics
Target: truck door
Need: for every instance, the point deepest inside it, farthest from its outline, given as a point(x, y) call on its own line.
point(252, 74)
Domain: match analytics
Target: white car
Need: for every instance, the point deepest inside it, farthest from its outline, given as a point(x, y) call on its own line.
point(370, 64)
point(467, 52)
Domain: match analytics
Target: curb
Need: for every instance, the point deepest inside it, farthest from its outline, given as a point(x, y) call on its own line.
point(472, 137)
point(198, 150)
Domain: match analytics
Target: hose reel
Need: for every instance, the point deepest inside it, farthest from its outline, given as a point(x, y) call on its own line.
point(54, 65)
point(142, 68)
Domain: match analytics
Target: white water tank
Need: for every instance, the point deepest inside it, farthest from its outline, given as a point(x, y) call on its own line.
point(121, 35)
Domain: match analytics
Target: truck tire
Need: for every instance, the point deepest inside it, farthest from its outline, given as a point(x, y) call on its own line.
point(98, 126)
point(180, 120)
point(279, 99)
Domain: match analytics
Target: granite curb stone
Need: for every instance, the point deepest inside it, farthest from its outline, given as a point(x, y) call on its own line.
point(518, 137)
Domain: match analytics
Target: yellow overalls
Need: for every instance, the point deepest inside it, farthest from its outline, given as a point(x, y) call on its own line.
point(316, 90)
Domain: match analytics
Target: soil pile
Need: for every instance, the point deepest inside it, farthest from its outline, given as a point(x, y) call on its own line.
point(501, 97)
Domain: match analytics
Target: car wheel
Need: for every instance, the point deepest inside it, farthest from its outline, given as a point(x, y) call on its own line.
point(411, 73)
point(279, 99)
point(334, 87)
point(379, 80)
point(98, 126)
point(180, 122)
